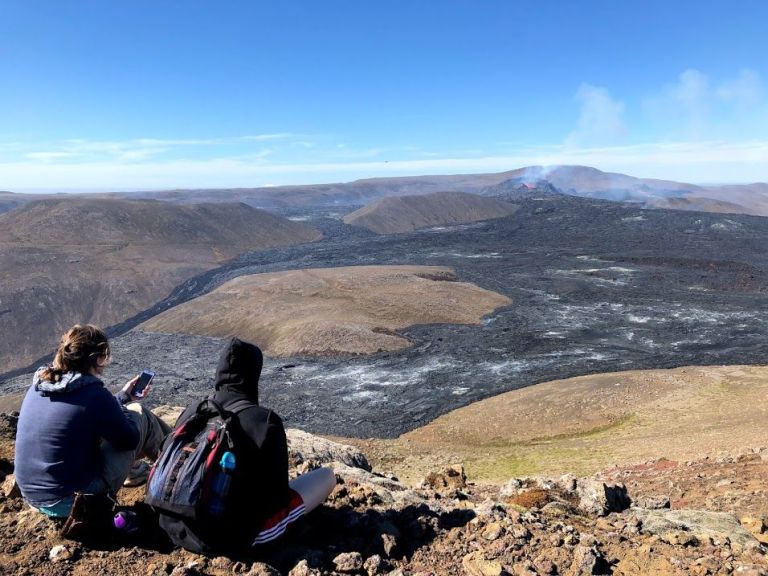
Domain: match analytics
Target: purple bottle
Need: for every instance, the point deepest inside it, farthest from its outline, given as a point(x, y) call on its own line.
point(127, 522)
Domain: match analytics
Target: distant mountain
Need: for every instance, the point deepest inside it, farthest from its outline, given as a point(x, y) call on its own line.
point(340, 194)
point(408, 213)
point(651, 193)
point(591, 182)
point(575, 180)
point(82, 259)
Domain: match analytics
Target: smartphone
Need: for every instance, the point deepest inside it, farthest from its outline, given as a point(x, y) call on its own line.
point(144, 379)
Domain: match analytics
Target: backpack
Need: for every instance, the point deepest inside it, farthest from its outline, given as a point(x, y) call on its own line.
point(180, 487)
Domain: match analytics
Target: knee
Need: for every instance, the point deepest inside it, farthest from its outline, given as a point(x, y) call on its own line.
point(327, 478)
point(324, 481)
point(135, 407)
point(136, 413)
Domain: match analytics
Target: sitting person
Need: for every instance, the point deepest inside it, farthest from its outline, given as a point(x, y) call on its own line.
point(265, 502)
point(74, 435)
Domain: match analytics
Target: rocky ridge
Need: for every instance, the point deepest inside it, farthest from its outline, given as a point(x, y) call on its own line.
point(624, 521)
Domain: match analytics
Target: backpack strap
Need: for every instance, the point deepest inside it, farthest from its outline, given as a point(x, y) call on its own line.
point(239, 405)
point(207, 404)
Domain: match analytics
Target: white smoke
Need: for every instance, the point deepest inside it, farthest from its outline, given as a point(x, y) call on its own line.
point(600, 120)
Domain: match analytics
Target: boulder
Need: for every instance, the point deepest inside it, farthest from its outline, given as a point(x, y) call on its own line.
point(700, 524)
point(475, 564)
point(8, 423)
point(653, 502)
point(168, 414)
point(262, 569)
point(373, 565)
point(513, 487)
point(588, 560)
point(304, 447)
point(387, 492)
point(598, 498)
point(303, 569)
point(451, 479)
point(9, 487)
point(757, 526)
point(348, 562)
point(59, 553)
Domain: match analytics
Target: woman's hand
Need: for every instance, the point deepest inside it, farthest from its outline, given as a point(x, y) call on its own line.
point(129, 386)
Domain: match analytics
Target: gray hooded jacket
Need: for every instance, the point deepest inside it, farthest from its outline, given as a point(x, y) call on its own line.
point(61, 426)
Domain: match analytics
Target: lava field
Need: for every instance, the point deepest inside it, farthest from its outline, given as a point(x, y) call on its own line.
point(596, 286)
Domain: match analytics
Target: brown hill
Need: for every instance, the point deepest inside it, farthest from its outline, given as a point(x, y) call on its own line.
point(82, 220)
point(408, 213)
point(329, 311)
point(102, 260)
point(584, 424)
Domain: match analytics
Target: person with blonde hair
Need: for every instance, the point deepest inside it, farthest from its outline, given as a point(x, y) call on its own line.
point(74, 435)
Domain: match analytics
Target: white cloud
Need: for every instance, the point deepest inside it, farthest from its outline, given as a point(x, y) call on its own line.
point(682, 109)
point(140, 149)
point(601, 117)
point(265, 137)
point(696, 108)
point(697, 162)
point(48, 156)
point(745, 90)
point(692, 89)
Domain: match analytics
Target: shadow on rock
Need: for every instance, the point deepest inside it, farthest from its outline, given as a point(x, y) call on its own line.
point(342, 537)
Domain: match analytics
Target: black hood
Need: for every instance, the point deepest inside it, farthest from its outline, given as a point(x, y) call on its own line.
point(238, 373)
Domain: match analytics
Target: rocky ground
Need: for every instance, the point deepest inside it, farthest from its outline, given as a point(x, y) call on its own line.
point(659, 517)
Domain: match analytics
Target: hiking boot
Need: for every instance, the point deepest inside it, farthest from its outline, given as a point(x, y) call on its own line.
point(138, 474)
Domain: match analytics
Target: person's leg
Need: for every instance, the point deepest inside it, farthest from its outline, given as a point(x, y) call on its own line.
point(308, 491)
point(314, 487)
point(152, 430)
point(117, 463)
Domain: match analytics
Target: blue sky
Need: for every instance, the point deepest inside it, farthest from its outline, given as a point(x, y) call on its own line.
point(156, 94)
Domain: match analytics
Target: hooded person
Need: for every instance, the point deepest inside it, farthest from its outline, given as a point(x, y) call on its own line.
point(270, 502)
point(74, 435)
